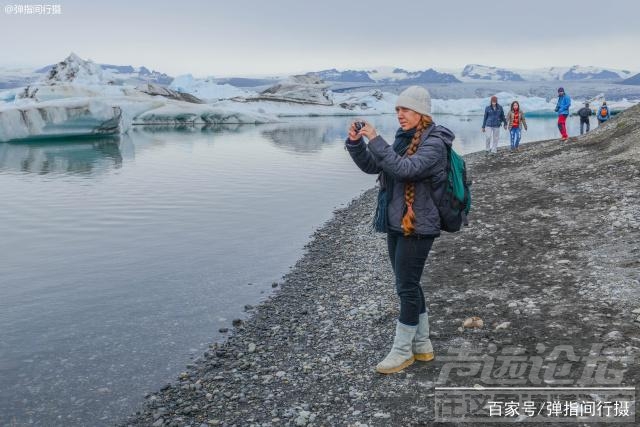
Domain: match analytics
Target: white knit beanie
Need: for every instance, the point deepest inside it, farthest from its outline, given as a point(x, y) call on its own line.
point(415, 98)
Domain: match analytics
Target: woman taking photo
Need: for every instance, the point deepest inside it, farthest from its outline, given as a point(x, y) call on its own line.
point(409, 172)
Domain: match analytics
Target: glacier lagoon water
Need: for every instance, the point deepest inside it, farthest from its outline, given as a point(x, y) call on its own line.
point(121, 259)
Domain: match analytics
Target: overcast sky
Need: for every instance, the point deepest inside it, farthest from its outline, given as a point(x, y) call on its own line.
point(262, 37)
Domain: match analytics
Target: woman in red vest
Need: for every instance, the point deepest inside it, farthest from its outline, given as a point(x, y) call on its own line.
point(516, 121)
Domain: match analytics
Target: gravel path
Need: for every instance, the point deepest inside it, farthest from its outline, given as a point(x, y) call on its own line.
point(551, 257)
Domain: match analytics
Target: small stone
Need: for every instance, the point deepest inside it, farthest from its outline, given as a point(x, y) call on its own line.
point(237, 323)
point(251, 347)
point(274, 285)
point(503, 325)
point(382, 415)
point(473, 322)
point(280, 374)
point(636, 311)
point(613, 336)
point(248, 307)
point(223, 330)
point(158, 422)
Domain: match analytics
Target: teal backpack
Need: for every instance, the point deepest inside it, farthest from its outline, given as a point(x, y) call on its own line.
point(455, 203)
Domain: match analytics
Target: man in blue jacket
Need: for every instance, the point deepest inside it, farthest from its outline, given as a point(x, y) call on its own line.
point(562, 108)
point(493, 118)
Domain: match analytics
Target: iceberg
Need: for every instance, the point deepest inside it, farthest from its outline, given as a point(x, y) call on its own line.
point(301, 89)
point(207, 89)
point(77, 98)
point(73, 117)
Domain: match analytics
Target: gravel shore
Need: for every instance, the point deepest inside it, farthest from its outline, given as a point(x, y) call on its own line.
point(551, 257)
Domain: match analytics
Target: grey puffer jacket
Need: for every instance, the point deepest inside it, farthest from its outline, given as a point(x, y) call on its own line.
point(426, 168)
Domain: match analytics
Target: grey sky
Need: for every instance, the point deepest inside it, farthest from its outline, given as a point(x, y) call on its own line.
point(252, 37)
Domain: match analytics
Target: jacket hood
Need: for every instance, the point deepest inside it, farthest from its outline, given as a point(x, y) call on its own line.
point(442, 133)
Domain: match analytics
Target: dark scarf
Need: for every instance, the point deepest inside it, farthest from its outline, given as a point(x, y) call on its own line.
point(385, 195)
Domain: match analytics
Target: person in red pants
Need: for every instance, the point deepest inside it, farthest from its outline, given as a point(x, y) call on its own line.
point(562, 108)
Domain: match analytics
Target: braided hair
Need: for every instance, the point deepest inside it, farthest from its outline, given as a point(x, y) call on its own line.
point(409, 217)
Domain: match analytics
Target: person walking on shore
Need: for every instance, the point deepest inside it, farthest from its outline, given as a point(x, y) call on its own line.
point(584, 113)
point(493, 119)
point(603, 113)
point(562, 108)
point(516, 121)
point(409, 171)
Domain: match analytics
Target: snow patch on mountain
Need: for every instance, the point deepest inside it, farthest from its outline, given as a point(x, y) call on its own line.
point(483, 72)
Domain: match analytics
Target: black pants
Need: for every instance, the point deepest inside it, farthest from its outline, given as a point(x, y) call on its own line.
point(408, 256)
point(582, 124)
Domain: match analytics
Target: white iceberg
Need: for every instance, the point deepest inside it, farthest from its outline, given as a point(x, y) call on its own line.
point(367, 103)
point(71, 117)
point(302, 89)
point(207, 89)
point(75, 69)
point(74, 100)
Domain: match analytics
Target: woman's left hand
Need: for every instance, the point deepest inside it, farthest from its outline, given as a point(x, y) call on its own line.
point(368, 131)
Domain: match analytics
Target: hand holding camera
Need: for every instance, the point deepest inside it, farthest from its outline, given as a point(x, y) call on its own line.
point(360, 128)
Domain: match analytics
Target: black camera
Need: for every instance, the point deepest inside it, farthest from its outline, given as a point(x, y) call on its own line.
point(358, 126)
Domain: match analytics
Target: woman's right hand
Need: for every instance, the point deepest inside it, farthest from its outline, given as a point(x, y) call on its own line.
point(353, 135)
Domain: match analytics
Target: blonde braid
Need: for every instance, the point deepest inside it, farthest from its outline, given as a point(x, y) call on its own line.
point(409, 217)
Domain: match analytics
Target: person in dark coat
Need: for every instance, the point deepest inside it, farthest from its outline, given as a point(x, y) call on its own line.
point(493, 119)
point(407, 170)
point(584, 113)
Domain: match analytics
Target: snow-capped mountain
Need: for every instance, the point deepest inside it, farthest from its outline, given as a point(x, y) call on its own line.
point(483, 72)
point(574, 73)
point(351, 76)
point(633, 80)
point(471, 73)
point(113, 74)
point(17, 77)
point(474, 72)
point(130, 75)
point(386, 75)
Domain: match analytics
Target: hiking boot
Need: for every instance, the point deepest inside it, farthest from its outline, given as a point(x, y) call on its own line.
point(400, 355)
point(422, 348)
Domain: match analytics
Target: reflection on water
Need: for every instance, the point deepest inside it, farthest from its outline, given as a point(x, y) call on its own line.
point(192, 128)
point(74, 157)
point(300, 139)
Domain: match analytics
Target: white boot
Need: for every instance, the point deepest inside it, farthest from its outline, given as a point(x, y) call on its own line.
point(422, 348)
point(400, 355)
